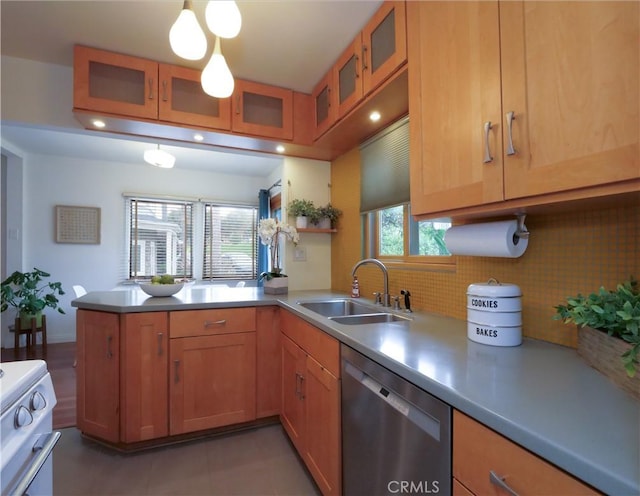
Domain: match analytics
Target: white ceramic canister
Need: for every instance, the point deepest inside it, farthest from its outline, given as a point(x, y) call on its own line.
point(494, 313)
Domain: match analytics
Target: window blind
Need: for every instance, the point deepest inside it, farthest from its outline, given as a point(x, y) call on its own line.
point(230, 242)
point(160, 238)
point(384, 168)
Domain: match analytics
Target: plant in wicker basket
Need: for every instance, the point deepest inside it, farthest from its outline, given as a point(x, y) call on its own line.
point(616, 313)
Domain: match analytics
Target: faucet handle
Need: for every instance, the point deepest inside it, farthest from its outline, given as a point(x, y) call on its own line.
point(378, 298)
point(396, 303)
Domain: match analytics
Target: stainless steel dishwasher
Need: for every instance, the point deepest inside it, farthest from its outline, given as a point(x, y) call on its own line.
point(396, 438)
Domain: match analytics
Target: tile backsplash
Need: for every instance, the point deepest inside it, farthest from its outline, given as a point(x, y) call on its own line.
point(568, 253)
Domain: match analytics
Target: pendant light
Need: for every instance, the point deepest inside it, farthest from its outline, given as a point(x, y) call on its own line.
point(223, 18)
point(159, 158)
point(186, 37)
point(216, 77)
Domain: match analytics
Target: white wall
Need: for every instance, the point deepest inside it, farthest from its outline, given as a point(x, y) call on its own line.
point(36, 93)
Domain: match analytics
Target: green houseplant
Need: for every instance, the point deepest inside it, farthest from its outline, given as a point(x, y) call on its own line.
point(330, 212)
point(30, 294)
point(616, 313)
point(301, 208)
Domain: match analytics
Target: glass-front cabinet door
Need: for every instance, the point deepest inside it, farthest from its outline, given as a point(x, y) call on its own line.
point(348, 76)
point(262, 110)
point(183, 100)
point(115, 83)
point(324, 107)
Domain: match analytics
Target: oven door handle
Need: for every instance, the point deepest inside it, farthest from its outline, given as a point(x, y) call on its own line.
point(44, 445)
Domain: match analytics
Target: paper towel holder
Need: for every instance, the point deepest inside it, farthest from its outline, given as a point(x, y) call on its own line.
point(521, 231)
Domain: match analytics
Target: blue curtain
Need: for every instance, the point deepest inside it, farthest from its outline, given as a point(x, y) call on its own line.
point(263, 250)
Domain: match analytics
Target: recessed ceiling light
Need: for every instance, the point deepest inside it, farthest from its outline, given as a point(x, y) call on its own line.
point(375, 116)
point(280, 149)
point(98, 123)
point(198, 137)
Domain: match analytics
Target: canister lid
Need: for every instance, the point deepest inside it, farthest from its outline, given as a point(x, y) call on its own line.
point(494, 289)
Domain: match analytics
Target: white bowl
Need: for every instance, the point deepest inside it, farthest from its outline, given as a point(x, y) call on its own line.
point(161, 289)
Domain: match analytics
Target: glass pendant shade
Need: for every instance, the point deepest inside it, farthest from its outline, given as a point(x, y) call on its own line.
point(186, 37)
point(223, 18)
point(159, 158)
point(216, 78)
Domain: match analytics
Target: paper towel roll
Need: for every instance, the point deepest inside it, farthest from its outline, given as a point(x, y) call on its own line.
point(490, 239)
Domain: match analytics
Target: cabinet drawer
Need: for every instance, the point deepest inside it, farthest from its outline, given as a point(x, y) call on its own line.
point(315, 342)
point(478, 451)
point(209, 322)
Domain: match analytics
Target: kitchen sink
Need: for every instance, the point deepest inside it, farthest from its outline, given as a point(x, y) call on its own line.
point(337, 308)
point(375, 318)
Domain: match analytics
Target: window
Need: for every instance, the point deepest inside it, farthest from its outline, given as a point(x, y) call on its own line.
point(393, 234)
point(230, 242)
point(160, 238)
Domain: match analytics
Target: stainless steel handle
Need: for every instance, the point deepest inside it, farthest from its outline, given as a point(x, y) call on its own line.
point(498, 481)
point(211, 323)
point(150, 88)
point(355, 68)
point(44, 445)
point(487, 151)
point(510, 118)
point(364, 58)
point(301, 387)
point(176, 368)
point(109, 352)
point(160, 339)
point(297, 387)
point(164, 91)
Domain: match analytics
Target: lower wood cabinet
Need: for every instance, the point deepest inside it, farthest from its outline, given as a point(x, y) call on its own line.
point(486, 463)
point(268, 374)
point(310, 411)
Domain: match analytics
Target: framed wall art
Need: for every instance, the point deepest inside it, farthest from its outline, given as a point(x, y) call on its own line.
point(78, 225)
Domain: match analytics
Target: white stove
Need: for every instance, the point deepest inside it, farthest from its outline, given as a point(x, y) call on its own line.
point(27, 439)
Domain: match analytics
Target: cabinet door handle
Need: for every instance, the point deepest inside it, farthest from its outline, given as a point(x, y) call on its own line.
point(510, 118)
point(498, 481)
point(301, 387)
point(355, 68)
point(211, 323)
point(364, 58)
point(150, 88)
point(164, 91)
point(109, 352)
point(297, 385)
point(487, 151)
point(238, 101)
point(160, 351)
point(176, 369)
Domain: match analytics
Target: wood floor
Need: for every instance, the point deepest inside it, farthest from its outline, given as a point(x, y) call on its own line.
point(59, 358)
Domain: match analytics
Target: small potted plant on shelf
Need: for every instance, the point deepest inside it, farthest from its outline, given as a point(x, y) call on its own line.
point(608, 321)
point(328, 216)
point(272, 232)
point(302, 210)
point(30, 294)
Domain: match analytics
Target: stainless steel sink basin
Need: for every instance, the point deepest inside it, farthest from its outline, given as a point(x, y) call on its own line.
point(337, 308)
point(376, 318)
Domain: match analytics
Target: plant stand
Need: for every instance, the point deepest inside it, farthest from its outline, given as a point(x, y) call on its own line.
point(276, 285)
point(602, 352)
point(30, 332)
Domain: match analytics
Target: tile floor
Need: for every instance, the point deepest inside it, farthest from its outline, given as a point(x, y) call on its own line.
point(255, 462)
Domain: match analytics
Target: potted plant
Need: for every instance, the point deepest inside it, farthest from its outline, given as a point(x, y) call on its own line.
point(330, 213)
point(608, 320)
point(30, 294)
point(271, 232)
point(302, 210)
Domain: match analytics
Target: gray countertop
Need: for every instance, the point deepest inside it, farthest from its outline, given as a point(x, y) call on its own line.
point(540, 395)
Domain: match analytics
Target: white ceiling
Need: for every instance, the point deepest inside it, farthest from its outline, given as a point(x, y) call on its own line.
point(289, 43)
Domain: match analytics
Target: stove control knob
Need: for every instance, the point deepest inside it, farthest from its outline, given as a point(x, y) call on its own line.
point(37, 401)
point(22, 417)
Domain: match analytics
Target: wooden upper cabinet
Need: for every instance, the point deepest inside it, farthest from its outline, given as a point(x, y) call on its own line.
point(571, 75)
point(182, 100)
point(384, 44)
point(324, 104)
point(454, 91)
point(348, 74)
point(566, 72)
point(115, 83)
point(262, 110)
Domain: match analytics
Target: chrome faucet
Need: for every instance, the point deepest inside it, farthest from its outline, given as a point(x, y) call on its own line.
point(386, 298)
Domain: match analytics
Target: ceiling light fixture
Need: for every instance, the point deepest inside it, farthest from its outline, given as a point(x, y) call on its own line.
point(186, 37)
point(98, 123)
point(159, 158)
point(375, 116)
point(216, 78)
point(223, 18)
point(198, 137)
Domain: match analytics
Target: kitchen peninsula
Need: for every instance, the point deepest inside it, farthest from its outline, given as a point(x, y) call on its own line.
point(538, 395)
